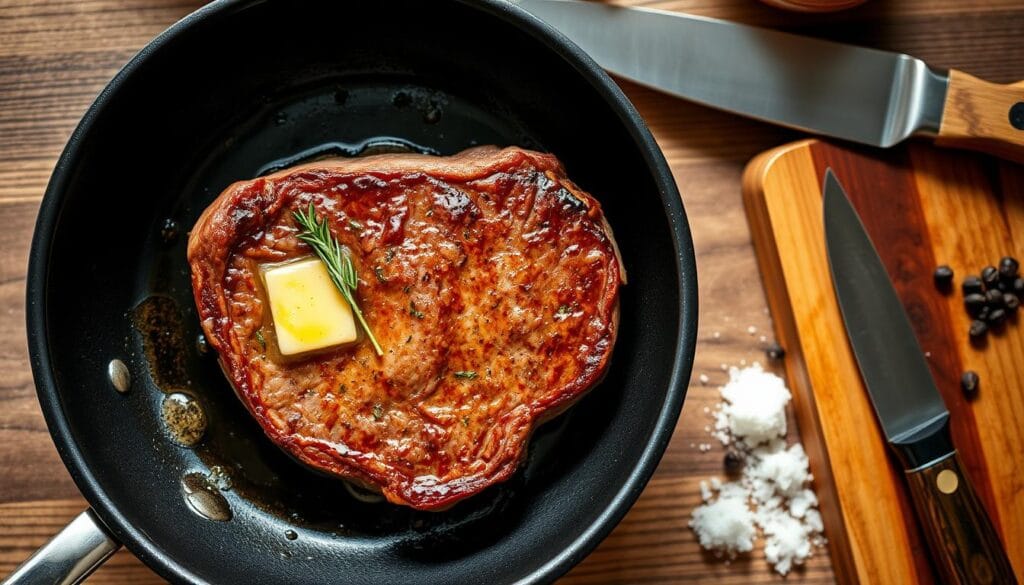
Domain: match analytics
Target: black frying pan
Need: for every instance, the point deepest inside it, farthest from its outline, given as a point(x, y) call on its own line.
point(235, 89)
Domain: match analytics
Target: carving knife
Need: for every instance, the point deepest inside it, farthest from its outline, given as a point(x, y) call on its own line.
point(964, 545)
point(863, 95)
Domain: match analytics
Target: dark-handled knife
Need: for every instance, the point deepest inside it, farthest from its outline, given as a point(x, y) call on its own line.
point(865, 95)
point(960, 535)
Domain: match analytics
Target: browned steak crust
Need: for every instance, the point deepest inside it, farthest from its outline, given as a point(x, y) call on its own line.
point(490, 263)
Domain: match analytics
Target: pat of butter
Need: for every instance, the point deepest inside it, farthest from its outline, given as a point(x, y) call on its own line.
point(308, 310)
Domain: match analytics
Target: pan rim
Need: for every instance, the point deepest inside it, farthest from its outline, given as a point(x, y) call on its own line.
point(149, 551)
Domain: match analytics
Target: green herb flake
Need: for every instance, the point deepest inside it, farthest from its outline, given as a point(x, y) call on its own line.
point(355, 225)
point(465, 421)
point(563, 311)
point(379, 273)
point(259, 338)
point(342, 389)
point(389, 255)
point(414, 311)
point(378, 412)
point(465, 374)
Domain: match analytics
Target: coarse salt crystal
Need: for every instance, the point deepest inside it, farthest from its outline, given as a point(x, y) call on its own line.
point(786, 468)
point(703, 378)
point(756, 409)
point(727, 524)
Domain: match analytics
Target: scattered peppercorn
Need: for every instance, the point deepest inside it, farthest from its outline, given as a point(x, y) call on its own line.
point(990, 276)
point(969, 383)
point(733, 462)
point(973, 285)
point(997, 317)
point(1008, 268)
point(978, 329)
point(994, 299)
point(943, 278)
point(775, 352)
point(974, 302)
point(991, 299)
point(1011, 302)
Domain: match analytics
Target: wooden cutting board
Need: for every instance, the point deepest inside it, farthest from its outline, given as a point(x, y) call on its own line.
point(922, 207)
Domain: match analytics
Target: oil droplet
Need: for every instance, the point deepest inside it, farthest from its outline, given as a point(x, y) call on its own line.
point(169, 231)
point(119, 375)
point(401, 99)
point(184, 418)
point(202, 346)
point(433, 114)
point(204, 498)
point(220, 478)
point(291, 534)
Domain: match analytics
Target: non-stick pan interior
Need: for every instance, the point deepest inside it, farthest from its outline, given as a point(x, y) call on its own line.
point(241, 88)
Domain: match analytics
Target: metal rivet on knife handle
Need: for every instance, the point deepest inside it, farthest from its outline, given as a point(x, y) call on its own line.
point(975, 116)
point(947, 481)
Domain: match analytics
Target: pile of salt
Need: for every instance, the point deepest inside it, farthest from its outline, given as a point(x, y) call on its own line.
point(772, 494)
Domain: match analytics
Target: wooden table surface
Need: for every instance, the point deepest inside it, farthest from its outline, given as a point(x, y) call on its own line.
point(56, 55)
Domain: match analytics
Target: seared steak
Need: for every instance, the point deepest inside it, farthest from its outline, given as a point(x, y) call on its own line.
point(490, 280)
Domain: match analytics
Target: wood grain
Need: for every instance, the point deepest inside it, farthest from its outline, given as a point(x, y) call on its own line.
point(56, 55)
point(911, 199)
point(977, 116)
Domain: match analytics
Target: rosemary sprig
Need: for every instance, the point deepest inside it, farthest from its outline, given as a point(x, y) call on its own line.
point(336, 260)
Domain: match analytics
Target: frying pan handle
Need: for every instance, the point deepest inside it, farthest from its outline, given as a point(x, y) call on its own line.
point(69, 557)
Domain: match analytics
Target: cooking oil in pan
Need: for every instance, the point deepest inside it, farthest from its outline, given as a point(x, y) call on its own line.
point(183, 418)
point(204, 497)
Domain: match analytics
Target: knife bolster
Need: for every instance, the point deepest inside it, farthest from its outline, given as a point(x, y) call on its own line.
point(924, 445)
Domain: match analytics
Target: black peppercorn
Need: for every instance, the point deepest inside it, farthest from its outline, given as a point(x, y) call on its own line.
point(943, 277)
point(1011, 302)
point(775, 352)
point(972, 285)
point(978, 329)
point(997, 317)
point(983, 313)
point(1018, 286)
point(969, 383)
point(990, 276)
point(994, 299)
point(974, 303)
point(733, 462)
point(1008, 268)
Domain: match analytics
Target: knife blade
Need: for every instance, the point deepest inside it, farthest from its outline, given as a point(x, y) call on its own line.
point(859, 94)
point(964, 544)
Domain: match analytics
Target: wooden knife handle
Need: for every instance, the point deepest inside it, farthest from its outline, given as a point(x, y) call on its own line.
point(963, 542)
point(983, 116)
